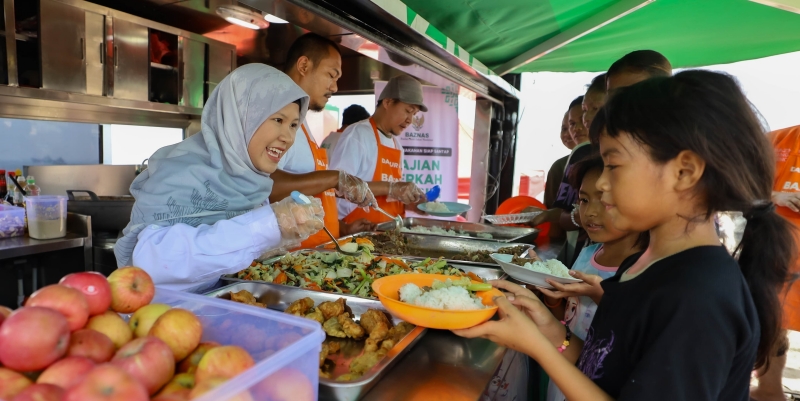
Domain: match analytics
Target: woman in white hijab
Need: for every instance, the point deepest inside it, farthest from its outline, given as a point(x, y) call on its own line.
point(202, 205)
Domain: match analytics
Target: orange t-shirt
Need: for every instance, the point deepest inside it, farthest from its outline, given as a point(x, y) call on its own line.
point(787, 179)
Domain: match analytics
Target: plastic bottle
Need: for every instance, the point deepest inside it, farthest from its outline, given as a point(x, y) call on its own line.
point(32, 189)
point(19, 196)
point(3, 186)
point(11, 188)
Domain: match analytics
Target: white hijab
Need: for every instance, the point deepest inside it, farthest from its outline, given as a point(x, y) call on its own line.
point(209, 176)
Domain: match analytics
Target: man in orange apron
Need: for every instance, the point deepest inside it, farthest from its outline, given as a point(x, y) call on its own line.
point(786, 196)
point(370, 151)
point(315, 64)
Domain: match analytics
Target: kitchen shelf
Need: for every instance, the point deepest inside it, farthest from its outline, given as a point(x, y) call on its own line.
point(22, 37)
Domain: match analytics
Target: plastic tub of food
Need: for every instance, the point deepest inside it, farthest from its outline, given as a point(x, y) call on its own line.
point(285, 348)
point(12, 221)
point(47, 216)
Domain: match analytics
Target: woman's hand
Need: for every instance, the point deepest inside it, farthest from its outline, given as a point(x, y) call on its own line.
point(406, 192)
point(358, 226)
point(354, 190)
point(590, 287)
point(787, 199)
point(297, 222)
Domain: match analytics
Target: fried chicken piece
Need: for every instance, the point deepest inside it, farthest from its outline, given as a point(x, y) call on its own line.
point(300, 307)
point(316, 314)
point(323, 354)
point(351, 328)
point(377, 325)
point(365, 361)
point(334, 347)
point(324, 375)
point(348, 377)
point(333, 328)
point(398, 332)
point(387, 344)
point(332, 309)
point(245, 297)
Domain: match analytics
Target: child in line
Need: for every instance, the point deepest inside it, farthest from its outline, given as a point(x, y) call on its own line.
point(684, 320)
point(596, 262)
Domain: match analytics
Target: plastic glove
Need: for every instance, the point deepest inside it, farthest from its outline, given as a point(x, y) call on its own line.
point(354, 190)
point(405, 192)
point(297, 222)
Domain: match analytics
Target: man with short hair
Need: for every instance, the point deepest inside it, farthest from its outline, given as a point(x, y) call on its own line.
point(370, 151)
point(351, 115)
point(315, 64)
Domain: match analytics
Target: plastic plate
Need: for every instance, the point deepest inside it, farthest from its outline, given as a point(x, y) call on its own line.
point(528, 276)
point(454, 207)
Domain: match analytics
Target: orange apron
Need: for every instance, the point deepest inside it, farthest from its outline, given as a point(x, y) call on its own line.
point(388, 168)
point(328, 198)
point(787, 179)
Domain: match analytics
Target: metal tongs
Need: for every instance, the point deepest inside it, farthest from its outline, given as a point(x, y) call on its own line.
point(303, 200)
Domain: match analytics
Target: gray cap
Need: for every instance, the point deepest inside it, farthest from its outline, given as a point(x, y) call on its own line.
point(405, 89)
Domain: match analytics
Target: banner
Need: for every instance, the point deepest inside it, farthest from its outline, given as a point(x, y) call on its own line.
point(431, 142)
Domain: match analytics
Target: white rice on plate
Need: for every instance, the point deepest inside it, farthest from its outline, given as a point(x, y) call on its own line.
point(450, 298)
point(553, 267)
point(437, 207)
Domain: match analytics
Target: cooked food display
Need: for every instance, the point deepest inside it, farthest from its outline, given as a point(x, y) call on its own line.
point(357, 346)
point(245, 297)
point(483, 256)
point(448, 295)
point(442, 231)
point(334, 272)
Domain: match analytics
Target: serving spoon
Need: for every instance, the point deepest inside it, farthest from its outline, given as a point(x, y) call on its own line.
point(303, 200)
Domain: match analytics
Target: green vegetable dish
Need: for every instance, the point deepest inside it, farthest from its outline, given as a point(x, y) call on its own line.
point(334, 272)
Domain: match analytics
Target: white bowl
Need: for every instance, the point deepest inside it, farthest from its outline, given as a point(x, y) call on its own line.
point(529, 276)
point(455, 209)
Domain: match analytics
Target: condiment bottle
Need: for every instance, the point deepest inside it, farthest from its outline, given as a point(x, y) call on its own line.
point(32, 189)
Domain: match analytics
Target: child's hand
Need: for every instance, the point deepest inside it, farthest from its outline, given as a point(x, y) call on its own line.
point(590, 287)
point(516, 329)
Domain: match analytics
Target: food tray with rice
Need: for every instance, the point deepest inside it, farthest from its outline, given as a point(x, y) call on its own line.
point(334, 272)
point(349, 367)
point(459, 251)
point(466, 230)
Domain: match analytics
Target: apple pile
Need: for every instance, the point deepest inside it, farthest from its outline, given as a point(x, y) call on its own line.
point(69, 343)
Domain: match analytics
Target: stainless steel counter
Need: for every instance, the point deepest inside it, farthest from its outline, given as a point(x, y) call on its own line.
point(441, 366)
point(79, 235)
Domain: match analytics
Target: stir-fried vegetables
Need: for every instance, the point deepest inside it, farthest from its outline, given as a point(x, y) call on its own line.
point(334, 272)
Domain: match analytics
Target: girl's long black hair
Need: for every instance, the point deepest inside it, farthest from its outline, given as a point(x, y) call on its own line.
point(707, 113)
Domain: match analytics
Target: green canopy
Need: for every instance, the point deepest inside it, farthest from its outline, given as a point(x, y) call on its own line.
point(689, 33)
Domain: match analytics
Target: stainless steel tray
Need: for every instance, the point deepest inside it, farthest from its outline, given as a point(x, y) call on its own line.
point(499, 233)
point(427, 246)
point(278, 297)
point(484, 271)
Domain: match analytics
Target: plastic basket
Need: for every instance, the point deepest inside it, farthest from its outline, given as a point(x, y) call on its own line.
point(511, 218)
point(286, 348)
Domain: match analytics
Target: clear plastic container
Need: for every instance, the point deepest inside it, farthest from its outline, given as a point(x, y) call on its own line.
point(47, 216)
point(286, 348)
point(12, 221)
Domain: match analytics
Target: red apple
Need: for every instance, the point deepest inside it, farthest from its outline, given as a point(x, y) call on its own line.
point(143, 319)
point(110, 324)
point(91, 344)
point(226, 361)
point(180, 329)
point(66, 372)
point(12, 383)
point(32, 338)
point(107, 382)
point(189, 365)
point(131, 288)
point(94, 287)
point(69, 301)
point(149, 360)
point(211, 383)
point(181, 385)
point(287, 384)
point(40, 392)
point(171, 397)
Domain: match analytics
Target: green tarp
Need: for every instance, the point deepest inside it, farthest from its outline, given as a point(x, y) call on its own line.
point(689, 32)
